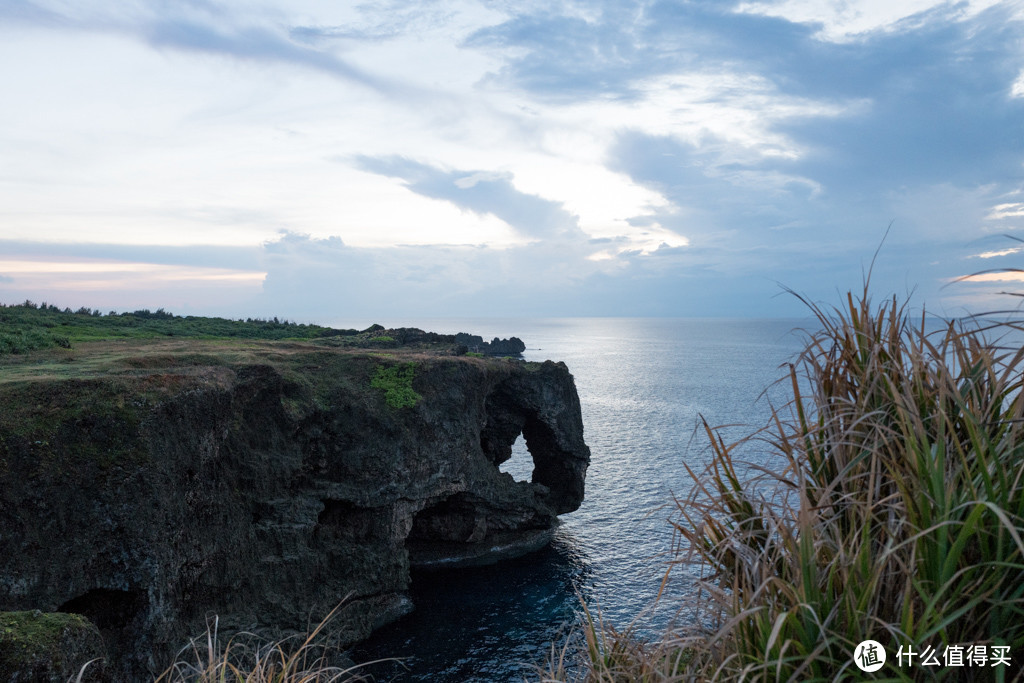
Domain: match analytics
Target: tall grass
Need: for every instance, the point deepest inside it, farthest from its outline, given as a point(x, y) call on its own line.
point(245, 658)
point(889, 506)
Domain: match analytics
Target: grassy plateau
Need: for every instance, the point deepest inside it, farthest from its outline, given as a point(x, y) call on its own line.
point(26, 327)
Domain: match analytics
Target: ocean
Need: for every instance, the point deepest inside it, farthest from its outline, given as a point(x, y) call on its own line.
point(644, 385)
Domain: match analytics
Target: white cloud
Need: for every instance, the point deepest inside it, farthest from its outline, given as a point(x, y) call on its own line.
point(105, 283)
point(1000, 252)
point(471, 180)
point(1001, 276)
point(1011, 210)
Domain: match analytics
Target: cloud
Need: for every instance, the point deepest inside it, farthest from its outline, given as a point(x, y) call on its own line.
point(939, 109)
point(253, 43)
point(327, 281)
point(203, 27)
point(930, 101)
point(716, 148)
point(378, 21)
point(207, 280)
point(847, 22)
point(483, 192)
point(560, 57)
point(328, 278)
point(201, 256)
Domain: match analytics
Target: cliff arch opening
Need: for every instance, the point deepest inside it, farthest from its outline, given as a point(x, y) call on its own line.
point(553, 438)
point(520, 463)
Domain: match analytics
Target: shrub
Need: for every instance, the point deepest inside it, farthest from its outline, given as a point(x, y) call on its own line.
point(22, 341)
point(396, 383)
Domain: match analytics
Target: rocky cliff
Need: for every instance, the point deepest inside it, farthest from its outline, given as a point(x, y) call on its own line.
point(148, 487)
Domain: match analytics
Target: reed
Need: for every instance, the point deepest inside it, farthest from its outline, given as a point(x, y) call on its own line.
point(245, 658)
point(887, 504)
point(611, 655)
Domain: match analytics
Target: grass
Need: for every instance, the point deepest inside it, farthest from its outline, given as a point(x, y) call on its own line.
point(889, 506)
point(613, 656)
point(28, 326)
point(246, 658)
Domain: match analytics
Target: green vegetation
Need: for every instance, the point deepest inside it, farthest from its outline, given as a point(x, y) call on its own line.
point(41, 643)
point(396, 383)
point(890, 507)
point(26, 327)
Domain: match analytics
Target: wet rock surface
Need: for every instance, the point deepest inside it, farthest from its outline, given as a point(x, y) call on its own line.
point(267, 487)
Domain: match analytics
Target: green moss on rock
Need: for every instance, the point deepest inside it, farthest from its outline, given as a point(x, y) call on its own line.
point(48, 646)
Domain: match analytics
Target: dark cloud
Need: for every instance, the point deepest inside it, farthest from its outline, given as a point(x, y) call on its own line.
point(480, 192)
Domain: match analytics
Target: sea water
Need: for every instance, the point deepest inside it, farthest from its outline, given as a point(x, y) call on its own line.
point(645, 386)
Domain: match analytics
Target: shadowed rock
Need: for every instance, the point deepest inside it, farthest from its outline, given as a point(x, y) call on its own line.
point(267, 488)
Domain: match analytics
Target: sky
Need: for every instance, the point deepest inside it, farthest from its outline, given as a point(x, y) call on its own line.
point(325, 161)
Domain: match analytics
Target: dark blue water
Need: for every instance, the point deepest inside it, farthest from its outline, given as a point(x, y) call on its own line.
point(643, 384)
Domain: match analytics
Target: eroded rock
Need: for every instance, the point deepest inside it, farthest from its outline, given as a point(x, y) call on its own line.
point(268, 489)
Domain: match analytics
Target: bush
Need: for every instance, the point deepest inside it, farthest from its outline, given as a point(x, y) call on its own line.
point(23, 341)
point(396, 382)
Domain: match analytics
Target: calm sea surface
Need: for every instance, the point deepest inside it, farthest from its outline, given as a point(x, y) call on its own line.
point(643, 383)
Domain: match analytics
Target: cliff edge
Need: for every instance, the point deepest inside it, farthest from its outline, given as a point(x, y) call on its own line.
point(147, 486)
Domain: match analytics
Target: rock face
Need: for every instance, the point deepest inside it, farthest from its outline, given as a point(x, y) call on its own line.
point(513, 346)
point(269, 488)
point(37, 647)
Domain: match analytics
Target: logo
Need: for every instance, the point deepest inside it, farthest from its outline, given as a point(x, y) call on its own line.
point(869, 655)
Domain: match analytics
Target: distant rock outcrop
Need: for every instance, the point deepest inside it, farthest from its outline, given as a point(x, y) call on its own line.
point(165, 486)
point(513, 346)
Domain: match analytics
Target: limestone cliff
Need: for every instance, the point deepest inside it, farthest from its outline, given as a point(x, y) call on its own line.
point(147, 488)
